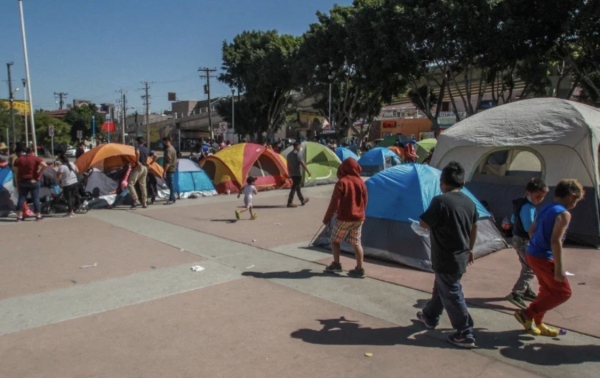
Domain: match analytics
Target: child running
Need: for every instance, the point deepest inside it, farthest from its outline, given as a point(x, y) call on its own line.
point(545, 257)
point(523, 217)
point(249, 190)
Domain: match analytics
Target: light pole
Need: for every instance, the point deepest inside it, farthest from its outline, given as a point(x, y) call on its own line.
point(233, 111)
point(28, 77)
point(24, 81)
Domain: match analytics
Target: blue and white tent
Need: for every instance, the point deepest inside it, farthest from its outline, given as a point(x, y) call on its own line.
point(376, 160)
point(344, 153)
point(398, 195)
point(8, 194)
point(191, 179)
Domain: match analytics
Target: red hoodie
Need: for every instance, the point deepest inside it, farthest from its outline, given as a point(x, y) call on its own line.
point(349, 196)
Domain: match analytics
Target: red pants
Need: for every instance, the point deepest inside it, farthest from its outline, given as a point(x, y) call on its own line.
point(552, 293)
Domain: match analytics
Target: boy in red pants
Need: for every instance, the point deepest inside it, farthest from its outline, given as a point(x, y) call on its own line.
point(545, 257)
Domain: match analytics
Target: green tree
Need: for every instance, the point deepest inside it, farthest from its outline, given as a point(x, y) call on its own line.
point(250, 119)
point(332, 54)
point(5, 124)
point(80, 119)
point(260, 65)
point(62, 130)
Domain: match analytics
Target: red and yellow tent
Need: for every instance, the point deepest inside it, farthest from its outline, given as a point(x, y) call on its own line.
point(229, 168)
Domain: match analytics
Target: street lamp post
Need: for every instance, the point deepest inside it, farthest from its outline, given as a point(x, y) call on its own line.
point(24, 81)
point(27, 76)
point(233, 111)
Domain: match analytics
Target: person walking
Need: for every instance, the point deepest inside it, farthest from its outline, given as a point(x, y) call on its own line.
point(452, 221)
point(524, 214)
point(349, 202)
point(139, 174)
point(170, 166)
point(80, 150)
point(295, 166)
point(29, 171)
point(67, 176)
point(546, 259)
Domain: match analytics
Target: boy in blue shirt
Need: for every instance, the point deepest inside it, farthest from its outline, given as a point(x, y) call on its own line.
point(545, 257)
point(524, 213)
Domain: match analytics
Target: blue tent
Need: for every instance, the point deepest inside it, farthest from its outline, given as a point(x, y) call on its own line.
point(190, 178)
point(399, 194)
point(8, 195)
point(377, 159)
point(344, 153)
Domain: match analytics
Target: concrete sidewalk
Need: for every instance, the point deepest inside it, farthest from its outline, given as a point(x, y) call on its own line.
point(257, 310)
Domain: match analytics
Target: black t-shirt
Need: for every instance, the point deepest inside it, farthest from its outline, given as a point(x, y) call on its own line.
point(450, 218)
point(143, 155)
point(80, 151)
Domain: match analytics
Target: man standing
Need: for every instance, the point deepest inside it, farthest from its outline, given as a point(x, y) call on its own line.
point(80, 150)
point(452, 219)
point(28, 179)
point(295, 166)
point(139, 174)
point(170, 166)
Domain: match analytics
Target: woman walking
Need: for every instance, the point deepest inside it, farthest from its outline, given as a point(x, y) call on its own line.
point(67, 175)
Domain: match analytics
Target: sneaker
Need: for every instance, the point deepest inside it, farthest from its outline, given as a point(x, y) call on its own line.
point(462, 341)
point(334, 268)
point(305, 201)
point(237, 215)
point(357, 273)
point(517, 300)
point(292, 205)
point(253, 217)
point(547, 331)
point(529, 295)
point(528, 324)
point(39, 218)
point(423, 319)
point(135, 204)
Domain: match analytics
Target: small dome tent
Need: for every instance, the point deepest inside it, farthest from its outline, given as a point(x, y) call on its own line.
point(377, 159)
point(322, 162)
point(345, 153)
point(504, 147)
point(398, 195)
point(229, 168)
point(190, 179)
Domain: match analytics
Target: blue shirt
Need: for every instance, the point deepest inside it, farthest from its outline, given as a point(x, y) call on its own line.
point(527, 215)
point(541, 242)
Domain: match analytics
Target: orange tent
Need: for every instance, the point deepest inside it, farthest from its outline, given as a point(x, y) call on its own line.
point(110, 156)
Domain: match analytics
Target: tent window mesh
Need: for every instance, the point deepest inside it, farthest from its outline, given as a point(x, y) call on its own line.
point(509, 166)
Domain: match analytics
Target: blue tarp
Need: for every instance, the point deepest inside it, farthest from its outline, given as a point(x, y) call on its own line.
point(189, 177)
point(404, 192)
point(344, 153)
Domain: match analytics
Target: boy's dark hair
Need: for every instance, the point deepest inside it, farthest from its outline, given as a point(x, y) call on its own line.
point(296, 144)
point(536, 185)
point(567, 187)
point(140, 140)
point(250, 180)
point(28, 150)
point(453, 175)
point(167, 139)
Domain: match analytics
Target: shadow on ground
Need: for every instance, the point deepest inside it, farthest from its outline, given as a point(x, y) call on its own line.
point(512, 344)
point(299, 275)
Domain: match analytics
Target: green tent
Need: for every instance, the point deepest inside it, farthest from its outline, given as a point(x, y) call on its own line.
point(424, 147)
point(322, 162)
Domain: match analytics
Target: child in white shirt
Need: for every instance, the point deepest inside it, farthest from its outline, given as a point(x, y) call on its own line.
point(249, 190)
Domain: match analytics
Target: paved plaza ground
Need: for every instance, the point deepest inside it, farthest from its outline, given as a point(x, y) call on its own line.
point(111, 294)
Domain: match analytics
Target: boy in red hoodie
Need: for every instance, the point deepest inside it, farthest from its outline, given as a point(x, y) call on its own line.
point(349, 200)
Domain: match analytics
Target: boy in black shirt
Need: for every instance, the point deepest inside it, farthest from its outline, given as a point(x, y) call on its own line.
point(452, 219)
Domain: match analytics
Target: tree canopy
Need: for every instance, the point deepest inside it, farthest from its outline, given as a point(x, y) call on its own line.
point(80, 118)
point(62, 130)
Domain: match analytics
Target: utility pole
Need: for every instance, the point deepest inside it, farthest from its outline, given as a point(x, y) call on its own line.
point(124, 115)
point(233, 111)
point(11, 99)
point(61, 96)
point(146, 99)
point(207, 72)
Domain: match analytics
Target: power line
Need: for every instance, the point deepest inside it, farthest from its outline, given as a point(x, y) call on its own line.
point(146, 99)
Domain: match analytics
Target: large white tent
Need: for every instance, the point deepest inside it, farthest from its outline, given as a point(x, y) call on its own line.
point(504, 147)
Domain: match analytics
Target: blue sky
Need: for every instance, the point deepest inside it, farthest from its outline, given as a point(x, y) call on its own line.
point(92, 49)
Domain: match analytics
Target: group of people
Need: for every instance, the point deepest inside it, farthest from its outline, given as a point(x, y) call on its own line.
point(451, 219)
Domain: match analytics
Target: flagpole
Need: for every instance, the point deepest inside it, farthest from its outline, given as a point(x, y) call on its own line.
point(28, 77)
